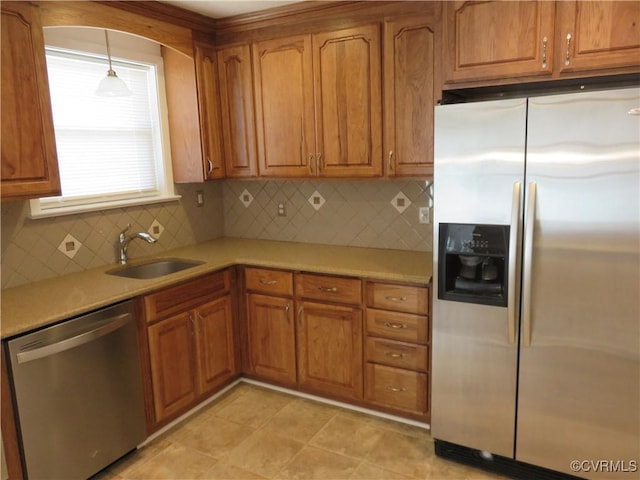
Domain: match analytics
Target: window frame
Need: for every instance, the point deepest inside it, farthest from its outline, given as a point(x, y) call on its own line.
point(120, 51)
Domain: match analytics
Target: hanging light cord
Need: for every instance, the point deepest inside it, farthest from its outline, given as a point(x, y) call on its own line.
point(106, 37)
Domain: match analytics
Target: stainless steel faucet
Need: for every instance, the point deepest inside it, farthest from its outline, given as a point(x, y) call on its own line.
point(123, 242)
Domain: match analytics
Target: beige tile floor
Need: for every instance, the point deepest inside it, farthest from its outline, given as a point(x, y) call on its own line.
point(257, 433)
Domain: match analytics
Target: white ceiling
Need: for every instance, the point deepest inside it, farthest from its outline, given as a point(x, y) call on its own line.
point(227, 8)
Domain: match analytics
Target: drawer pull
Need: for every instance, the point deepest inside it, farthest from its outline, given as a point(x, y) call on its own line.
point(390, 388)
point(394, 354)
point(267, 282)
point(328, 289)
point(396, 299)
point(395, 326)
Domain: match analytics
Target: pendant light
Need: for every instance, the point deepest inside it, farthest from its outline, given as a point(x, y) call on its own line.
point(111, 85)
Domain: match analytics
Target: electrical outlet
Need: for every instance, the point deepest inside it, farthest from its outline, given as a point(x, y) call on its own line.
point(199, 198)
point(423, 215)
point(281, 210)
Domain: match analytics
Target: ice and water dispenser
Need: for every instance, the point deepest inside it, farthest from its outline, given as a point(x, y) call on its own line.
point(473, 263)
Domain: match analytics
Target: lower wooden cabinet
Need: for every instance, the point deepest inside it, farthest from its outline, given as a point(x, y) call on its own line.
point(271, 332)
point(191, 351)
point(396, 388)
point(397, 348)
point(330, 349)
point(173, 368)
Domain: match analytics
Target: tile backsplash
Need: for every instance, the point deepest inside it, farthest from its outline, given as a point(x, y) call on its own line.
point(38, 249)
point(381, 214)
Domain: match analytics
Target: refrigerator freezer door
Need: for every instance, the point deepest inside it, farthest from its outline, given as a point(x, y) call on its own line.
point(477, 169)
point(579, 380)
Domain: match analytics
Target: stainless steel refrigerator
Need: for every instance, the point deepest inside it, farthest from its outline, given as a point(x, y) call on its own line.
point(536, 308)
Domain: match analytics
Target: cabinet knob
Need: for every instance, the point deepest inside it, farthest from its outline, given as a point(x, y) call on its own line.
point(390, 161)
point(311, 161)
point(544, 52)
point(209, 167)
point(264, 281)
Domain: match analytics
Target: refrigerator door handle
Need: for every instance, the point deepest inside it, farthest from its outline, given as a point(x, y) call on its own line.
point(528, 254)
point(513, 250)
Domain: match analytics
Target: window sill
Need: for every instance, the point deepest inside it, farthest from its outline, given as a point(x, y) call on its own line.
point(36, 212)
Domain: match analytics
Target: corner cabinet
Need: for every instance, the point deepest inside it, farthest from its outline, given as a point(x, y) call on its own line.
point(190, 337)
point(319, 104)
point(29, 158)
point(237, 110)
point(411, 88)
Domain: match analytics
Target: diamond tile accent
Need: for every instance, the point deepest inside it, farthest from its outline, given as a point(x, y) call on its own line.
point(400, 202)
point(70, 246)
point(156, 229)
point(316, 200)
point(246, 198)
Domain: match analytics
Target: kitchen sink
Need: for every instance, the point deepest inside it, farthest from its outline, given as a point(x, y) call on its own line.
point(154, 268)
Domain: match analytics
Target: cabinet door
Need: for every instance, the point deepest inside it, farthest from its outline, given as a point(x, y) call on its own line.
point(272, 354)
point(214, 344)
point(330, 349)
point(348, 100)
point(29, 158)
point(209, 105)
point(173, 369)
point(237, 109)
point(411, 88)
point(496, 40)
point(598, 35)
point(183, 116)
point(284, 106)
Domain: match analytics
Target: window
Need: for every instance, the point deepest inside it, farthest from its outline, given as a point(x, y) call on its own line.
point(110, 149)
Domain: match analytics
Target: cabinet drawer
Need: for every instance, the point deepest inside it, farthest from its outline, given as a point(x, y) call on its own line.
point(274, 282)
point(398, 326)
point(397, 354)
point(327, 288)
point(186, 295)
point(400, 298)
point(395, 388)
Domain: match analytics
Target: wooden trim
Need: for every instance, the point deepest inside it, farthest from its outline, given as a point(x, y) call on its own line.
point(93, 14)
point(165, 12)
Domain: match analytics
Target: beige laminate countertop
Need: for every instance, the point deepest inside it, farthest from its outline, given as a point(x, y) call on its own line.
point(38, 304)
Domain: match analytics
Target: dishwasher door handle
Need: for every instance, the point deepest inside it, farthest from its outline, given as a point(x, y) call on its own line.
point(114, 323)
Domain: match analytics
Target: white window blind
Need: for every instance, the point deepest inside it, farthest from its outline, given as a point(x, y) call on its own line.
point(109, 148)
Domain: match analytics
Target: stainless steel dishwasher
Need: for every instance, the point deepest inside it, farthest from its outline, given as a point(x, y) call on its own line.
point(78, 390)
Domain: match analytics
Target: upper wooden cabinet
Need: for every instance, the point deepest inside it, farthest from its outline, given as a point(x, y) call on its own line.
point(29, 158)
point(598, 35)
point(284, 106)
point(237, 108)
point(333, 78)
point(348, 102)
point(192, 101)
point(411, 89)
point(209, 105)
point(487, 40)
point(508, 42)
